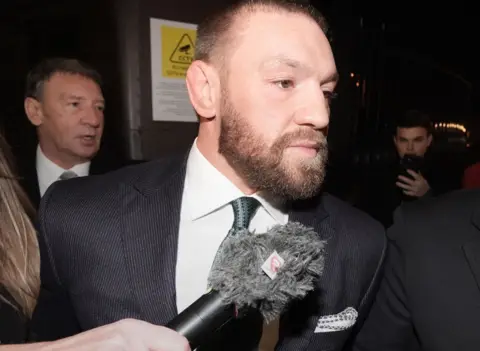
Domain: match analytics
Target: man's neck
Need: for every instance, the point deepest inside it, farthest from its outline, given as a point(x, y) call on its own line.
point(59, 160)
point(210, 151)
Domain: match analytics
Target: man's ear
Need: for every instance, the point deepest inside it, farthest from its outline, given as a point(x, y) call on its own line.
point(429, 139)
point(202, 83)
point(33, 110)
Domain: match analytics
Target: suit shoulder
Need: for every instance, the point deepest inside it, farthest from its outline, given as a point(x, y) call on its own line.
point(150, 173)
point(450, 205)
point(360, 243)
point(349, 215)
point(355, 224)
point(95, 188)
point(432, 218)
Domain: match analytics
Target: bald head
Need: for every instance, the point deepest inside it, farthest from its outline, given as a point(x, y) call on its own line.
point(218, 34)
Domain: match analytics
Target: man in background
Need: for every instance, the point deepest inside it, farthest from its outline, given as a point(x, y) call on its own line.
point(412, 139)
point(410, 177)
point(64, 101)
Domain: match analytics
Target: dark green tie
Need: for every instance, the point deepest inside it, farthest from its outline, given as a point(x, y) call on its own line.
point(244, 209)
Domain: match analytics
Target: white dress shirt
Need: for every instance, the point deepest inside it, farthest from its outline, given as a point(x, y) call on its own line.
point(205, 219)
point(49, 172)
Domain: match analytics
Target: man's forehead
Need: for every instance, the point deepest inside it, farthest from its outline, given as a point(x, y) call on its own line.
point(411, 131)
point(60, 78)
point(66, 82)
point(329, 72)
point(279, 38)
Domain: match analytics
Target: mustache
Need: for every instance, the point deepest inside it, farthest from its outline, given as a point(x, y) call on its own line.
point(312, 136)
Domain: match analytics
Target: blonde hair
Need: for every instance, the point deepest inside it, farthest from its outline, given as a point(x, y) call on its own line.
point(19, 253)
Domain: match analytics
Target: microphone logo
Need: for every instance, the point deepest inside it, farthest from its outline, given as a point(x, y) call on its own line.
point(273, 264)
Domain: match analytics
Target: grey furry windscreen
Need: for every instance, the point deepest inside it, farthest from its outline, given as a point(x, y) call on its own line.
point(237, 271)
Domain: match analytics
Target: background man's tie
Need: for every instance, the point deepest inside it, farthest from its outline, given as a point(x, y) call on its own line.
point(67, 175)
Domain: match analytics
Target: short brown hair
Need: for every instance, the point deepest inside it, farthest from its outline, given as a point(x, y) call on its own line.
point(413, 119)
point(43, 71)
point(214, 32)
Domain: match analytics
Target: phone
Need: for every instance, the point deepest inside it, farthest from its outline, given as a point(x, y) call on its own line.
point(412, 162)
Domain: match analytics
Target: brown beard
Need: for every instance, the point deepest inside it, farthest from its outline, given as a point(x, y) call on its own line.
point(264, 168)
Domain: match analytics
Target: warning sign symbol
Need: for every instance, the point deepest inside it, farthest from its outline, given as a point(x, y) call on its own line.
point(184, 51)
point(178, 50)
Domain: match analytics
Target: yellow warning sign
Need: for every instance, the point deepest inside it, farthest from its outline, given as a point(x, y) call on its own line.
point(178, 50)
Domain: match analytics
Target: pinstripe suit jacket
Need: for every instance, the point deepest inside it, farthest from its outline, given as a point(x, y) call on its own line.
point(109, 243)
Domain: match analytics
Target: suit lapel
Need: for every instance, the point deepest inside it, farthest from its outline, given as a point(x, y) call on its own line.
point(471, 250)
point(298, 324)
point(151, 216)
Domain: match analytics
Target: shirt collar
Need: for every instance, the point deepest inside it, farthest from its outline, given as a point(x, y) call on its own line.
point(47, 169)
point(207, 190)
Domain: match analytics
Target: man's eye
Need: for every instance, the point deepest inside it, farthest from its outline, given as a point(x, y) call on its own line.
point(330, 95)
point(284, 83)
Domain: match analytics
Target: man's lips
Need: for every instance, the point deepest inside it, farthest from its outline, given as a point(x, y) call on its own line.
point(306, 145)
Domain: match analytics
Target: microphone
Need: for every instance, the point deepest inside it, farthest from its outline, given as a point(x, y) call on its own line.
point(263, 271)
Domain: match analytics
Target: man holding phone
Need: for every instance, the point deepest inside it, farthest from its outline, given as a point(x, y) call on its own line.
point(409, 178)
point(413, 137)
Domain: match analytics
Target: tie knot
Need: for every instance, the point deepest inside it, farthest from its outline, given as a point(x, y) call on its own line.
point(68, 175)
point(243, 210)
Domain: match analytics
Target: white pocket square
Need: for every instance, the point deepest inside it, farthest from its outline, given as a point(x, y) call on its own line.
point(337, 322)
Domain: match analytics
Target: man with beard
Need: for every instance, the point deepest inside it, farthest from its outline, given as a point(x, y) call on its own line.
point(144, 239)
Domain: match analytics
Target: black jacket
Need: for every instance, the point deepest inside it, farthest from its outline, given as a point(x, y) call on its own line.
point(430, 296)
point(109, 246)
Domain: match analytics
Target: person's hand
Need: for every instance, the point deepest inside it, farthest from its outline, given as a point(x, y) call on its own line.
point(125, 335)
point(417, 187)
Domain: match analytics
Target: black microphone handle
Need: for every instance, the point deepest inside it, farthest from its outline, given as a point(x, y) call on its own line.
point(199, 321)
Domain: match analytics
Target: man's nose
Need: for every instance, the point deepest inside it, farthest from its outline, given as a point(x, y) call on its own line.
point(315, 110)
point(92, 116)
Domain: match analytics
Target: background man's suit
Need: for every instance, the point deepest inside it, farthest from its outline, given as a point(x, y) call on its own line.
point(27, 171)
point(430, 296)
point(108, 246)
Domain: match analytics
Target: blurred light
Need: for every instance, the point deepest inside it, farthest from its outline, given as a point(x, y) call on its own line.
point(445, 125)
point(357, 84)
point(352, 75)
